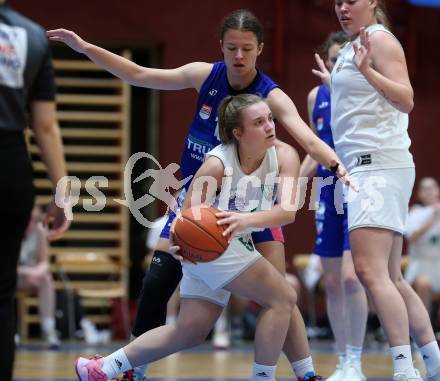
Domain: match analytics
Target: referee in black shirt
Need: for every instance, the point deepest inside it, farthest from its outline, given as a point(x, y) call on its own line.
point(27, 94)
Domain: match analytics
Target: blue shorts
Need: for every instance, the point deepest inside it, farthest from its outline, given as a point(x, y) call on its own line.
point(332, 237)
point(266, 235)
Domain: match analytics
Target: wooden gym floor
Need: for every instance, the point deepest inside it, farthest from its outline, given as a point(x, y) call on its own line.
point(34, 363)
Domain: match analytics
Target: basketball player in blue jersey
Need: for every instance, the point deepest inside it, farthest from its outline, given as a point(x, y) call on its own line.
point(346, 300)
point(241, 43)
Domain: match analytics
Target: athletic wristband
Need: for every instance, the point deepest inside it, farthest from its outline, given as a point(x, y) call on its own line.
point(334, 168)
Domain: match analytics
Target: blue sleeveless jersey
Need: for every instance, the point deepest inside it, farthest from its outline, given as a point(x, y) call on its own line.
point(321, 120)
point(331, 227)
point(203, 134)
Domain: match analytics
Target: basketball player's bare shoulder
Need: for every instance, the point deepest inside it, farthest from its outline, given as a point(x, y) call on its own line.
point(287, 155)
point(197, 72)
point(311, 97)
point(212, 166)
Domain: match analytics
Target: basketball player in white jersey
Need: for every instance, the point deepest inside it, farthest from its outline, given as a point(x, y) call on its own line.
point(347, 306)
point(249, 171)
point(371, 96)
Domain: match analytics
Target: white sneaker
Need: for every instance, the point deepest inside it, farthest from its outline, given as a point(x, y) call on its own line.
point(434, 377)
point(353, 372)
point(52, 339)
point(405, 377)
point(91, 334)
point(221, 340)
point(337, 375)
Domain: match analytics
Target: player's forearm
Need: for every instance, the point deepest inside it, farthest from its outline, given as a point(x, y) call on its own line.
point(308, 167)
point(115, 64)
point(277, 216)
point(321, 152)
point(397, 94)
point(49, 141)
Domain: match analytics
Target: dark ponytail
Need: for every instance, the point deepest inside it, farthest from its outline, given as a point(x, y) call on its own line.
point(244, 21)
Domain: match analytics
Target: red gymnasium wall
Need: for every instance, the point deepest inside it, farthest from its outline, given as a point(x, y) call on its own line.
point(187, 31)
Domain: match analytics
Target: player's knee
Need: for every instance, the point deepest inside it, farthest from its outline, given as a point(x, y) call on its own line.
point(422, 284)
point(292, 299)
point(194, 331)
point(332, 285)
point(286, 299)
point(164, 263)
point(351, 283)
point(294, 283)
point(162, 278)
point(158, 285)
point(367, 275)
point(397, 278)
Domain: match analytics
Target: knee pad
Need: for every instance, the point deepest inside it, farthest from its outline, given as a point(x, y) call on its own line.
point(163, 264)
point(159, 283)
point(162, 278)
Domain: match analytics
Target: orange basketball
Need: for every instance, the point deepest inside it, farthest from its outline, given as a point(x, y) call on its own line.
point(198, 235)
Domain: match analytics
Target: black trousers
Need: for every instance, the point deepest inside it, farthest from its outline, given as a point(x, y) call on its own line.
point(16, 202)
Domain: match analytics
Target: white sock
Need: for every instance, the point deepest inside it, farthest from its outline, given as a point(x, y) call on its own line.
point(141, 370)
point(353, 354)
point(263, 372)
point(116, 363)
point(402, 360)
point(301, 367)
point(342, 357)
point(47, 324)
point(221, 325)
point(171, 320)
point(431, 356)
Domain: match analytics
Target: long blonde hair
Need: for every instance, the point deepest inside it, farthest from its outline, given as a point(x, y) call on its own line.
point(381, 14)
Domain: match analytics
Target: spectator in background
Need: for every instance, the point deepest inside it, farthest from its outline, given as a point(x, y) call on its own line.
point(423, 236)
point(33, 273)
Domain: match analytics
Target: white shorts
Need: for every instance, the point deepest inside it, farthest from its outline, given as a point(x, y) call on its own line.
point(428, 268)
point(382, 200)
point(205, 280)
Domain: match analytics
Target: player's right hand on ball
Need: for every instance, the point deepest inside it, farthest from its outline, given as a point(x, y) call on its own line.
point(70, 38)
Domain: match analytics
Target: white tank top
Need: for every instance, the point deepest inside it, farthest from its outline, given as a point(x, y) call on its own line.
point(369, 133)
point(246, 193)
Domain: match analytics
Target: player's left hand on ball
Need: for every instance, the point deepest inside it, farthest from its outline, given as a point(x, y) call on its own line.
point(235, 221)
